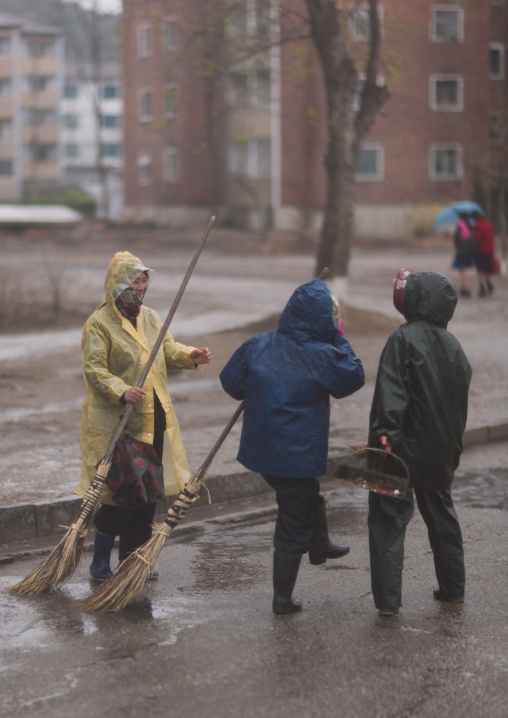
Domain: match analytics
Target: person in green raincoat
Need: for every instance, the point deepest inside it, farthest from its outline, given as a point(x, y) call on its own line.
point(117, 341)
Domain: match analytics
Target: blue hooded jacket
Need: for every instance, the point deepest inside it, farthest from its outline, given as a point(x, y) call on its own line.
point(286, 378)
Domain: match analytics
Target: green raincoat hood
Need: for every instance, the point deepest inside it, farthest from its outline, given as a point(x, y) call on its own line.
point(431, 297)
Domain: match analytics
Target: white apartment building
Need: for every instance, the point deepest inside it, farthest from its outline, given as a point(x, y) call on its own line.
point(91, 114)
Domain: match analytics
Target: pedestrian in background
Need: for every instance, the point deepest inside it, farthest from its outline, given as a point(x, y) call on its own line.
point(484, 259)
point(465, 249)
point(286, 378)
point(117, 342)
point(419, 412)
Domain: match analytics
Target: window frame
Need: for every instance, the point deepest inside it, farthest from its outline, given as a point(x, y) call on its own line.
point(460, 23)
point(433, 81)
point(141, 93)
point(144, 40)
point(169, 20)
point(499, 46)
point(170, 87)
point(437, 146)
point(356, 37)
point(144, 160)
point(173, 153)
point(379, 176)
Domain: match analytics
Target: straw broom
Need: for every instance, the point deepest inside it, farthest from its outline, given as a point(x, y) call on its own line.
point(66, 556)
point(132, 574)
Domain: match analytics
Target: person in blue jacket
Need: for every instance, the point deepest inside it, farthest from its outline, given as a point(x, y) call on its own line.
point(286, 378)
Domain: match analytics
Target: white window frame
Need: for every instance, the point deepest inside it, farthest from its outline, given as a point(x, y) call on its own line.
point(433, 149)
point(145, 160)
point(433, 80)
point(380, 173)
point(496, 117)
point(252, 158)
point(169, 20)
point(145, 40)
point(170, 153)
point(141, 93)
point(493, 46)
point(167, 113)
point(362, 7)
point(460, 23)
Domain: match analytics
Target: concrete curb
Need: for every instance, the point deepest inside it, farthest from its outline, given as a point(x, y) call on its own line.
point(33, 522)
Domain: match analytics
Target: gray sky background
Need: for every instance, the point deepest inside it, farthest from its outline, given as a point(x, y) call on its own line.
point(103, 5)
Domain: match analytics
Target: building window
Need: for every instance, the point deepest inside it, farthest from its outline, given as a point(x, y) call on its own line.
point(71, 151)
point(71, 122)
point(6, 168)
point(170, 166)
point(5, 45)
point(447, 93)
point(5, 86)
point(39, 83)
point(71, 91)
point(144, 40)
point(251, 158)
point(5, 129)
point(447, 23)
point(110, 122)
point(359, 22)
point(40, 48)
point(446, 162)
point(43, 153)
point(496, 131)
point(239, 89)
point(262, 88)
point(110, 150)
point(39, 117)
point(370, 165)
point(238, 157)
point(169, 34)
point(170, 101)
point(496, 61)
point(144, 169)
point(110, 91)
point(145, 105)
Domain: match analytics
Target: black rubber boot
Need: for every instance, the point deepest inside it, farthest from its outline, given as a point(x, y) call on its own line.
point(321, 548)
point(285, 572)
point(99, 568)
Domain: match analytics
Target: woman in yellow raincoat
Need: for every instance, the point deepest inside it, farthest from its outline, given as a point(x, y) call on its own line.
point(117, 341)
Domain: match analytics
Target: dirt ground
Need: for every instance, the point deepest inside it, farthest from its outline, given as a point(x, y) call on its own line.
point(41, 396)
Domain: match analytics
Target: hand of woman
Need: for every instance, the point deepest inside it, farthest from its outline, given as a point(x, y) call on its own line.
point(385, 443)
point(201, 356)
point(134, 394)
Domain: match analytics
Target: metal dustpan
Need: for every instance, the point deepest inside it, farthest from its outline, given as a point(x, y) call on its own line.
point(375, 470)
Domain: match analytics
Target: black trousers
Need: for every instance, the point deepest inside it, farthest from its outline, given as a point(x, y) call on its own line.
point(133, 526)
point(387, 523)
point(296, 500)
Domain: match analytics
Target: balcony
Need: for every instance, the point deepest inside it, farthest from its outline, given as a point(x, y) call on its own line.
point(45, 100)
point(40, 171)
point(45, 134)
point(39, 66)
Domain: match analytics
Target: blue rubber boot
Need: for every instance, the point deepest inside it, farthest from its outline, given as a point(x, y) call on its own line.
point(99, 568)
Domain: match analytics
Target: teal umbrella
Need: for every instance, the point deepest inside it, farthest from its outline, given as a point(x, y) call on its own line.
point(449, 215)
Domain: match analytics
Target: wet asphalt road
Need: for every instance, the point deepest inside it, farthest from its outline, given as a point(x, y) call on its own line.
point(202, 641)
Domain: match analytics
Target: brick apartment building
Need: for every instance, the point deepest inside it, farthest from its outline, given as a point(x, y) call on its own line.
point(246, 138)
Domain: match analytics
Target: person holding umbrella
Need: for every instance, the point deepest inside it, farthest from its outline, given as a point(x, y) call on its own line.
point(117, 341)
point(484, 259)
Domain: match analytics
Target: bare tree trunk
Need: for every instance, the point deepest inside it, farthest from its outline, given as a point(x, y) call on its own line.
point(346, 127)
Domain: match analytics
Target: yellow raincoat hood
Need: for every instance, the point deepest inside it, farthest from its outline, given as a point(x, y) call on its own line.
point(115, 353)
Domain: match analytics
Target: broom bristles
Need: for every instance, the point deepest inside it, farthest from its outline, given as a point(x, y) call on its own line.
point(56, 568)
point(130, 577)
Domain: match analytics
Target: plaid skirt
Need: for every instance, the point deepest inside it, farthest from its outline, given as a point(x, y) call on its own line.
point(136, 475)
